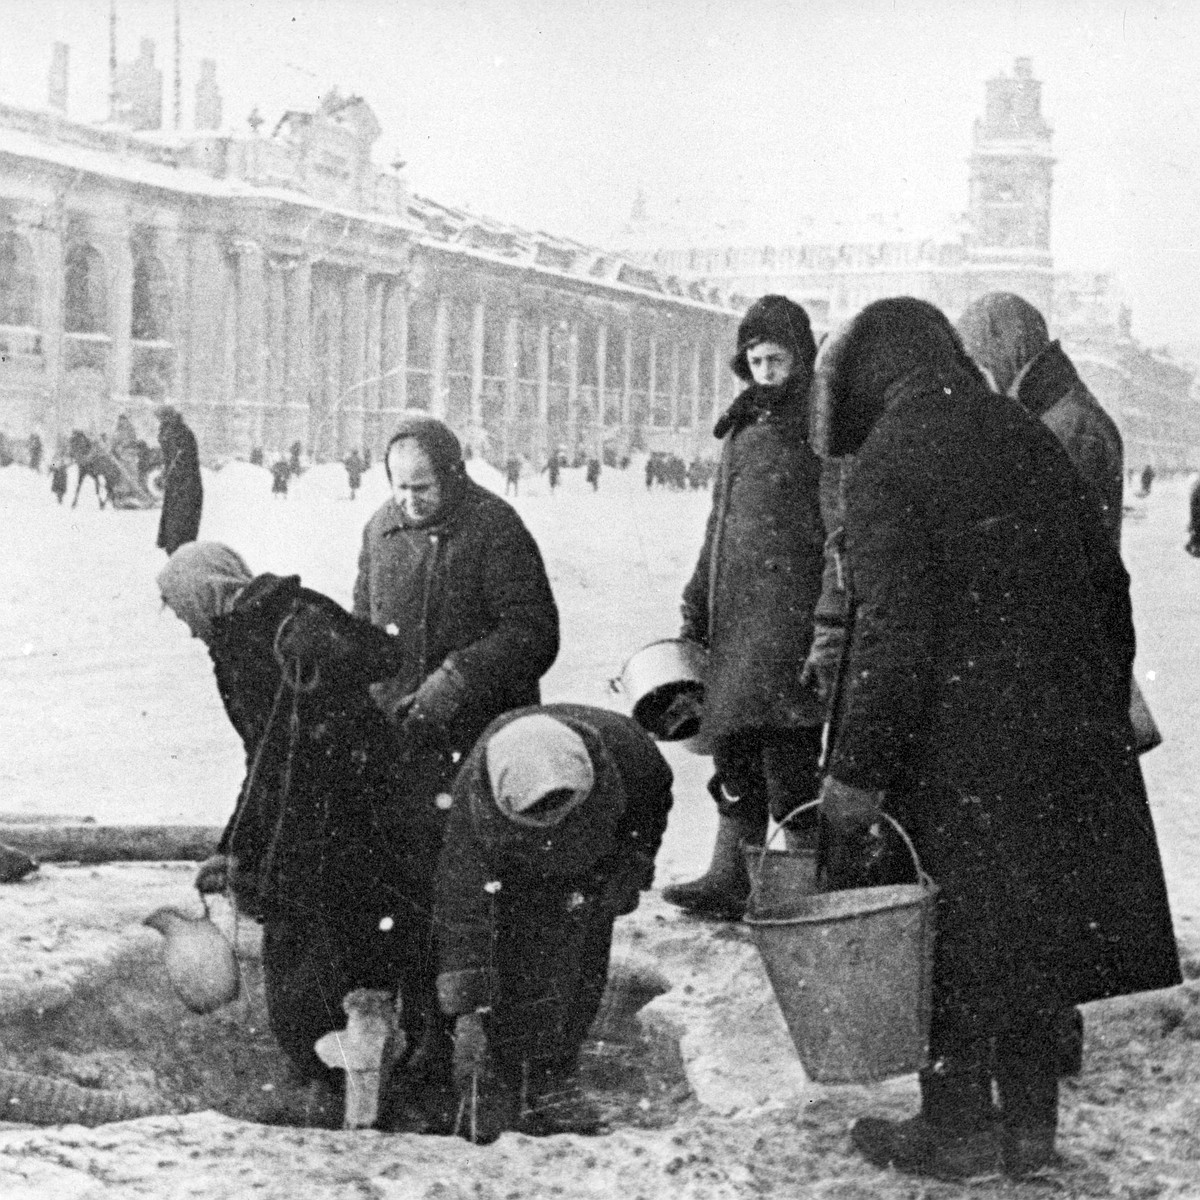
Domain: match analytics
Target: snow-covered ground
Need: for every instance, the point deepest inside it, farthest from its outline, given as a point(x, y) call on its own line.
point(108, 708)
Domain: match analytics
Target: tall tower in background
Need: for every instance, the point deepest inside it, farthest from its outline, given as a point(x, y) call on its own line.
point(1011, 171)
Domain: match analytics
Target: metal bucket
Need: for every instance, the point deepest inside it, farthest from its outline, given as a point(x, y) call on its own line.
point(852, 971)
point(656, 678)
point(779, 879)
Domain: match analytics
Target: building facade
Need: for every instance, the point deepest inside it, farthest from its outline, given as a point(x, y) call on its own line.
point(278, 287)
point(1002, 243)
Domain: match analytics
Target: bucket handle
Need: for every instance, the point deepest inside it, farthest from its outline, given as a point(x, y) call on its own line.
point(922, 878)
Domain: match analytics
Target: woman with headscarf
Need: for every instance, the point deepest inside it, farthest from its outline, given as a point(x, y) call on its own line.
point(985, 704)
point(558, 813)
point(1008, 339)
point(750, 603)
point(328, 846)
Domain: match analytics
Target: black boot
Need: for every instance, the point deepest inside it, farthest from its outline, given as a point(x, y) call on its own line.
point(722, 891)
point(955, 1136)
point(1027, 1070)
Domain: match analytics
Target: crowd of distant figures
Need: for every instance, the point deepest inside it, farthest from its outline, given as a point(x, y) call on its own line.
point(670, 471)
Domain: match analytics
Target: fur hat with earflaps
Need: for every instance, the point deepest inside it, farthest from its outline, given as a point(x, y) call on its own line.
point(774, 319)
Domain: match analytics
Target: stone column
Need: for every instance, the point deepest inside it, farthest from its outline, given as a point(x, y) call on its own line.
point(373, 392)
point(275, 430)
point(478, 319)
point(251, 339)
point(512, 362)
point(541, 438)
point(298, 352)
point(49, 254)
point(441, 337)
point(652, 383)
point(120, 320)
point(695, 392)
point(354, 365)
point(674, 384)
point(394, 354)
point(718, 374)
point(627, 385)
point(573, 387)
point(601, 400)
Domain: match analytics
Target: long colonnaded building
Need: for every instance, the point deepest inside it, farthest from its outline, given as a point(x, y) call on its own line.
point(1002, 244)
point(279, 287)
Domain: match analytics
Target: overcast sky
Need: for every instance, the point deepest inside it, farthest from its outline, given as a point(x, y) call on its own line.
point(554, 113)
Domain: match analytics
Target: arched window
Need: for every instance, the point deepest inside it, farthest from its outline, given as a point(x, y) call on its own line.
point(85, 300)
point(18, 281)
point(151, 317)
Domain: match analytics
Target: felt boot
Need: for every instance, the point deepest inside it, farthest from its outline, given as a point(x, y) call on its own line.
point(722, 891)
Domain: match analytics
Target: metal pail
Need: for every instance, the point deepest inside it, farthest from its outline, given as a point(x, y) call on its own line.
point(658, 676)
point(852, 971)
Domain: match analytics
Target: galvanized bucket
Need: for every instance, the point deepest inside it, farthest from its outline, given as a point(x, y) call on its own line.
point(852, 971)
point(664, 685)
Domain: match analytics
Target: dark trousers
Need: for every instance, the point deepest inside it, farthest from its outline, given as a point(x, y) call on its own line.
point(957, 1088)
point(763, 773)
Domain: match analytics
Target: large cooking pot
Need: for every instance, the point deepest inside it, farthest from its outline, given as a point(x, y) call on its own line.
point(664, 684)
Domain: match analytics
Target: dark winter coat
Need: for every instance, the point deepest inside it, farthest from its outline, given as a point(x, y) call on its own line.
point(1051, 389)
point(751, 597)
point(327, 804)
point(536, 948)
point(987, 687)
point(469, 590)
point(183, 491)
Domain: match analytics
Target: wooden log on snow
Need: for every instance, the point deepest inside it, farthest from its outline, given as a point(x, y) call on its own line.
point(113, 843)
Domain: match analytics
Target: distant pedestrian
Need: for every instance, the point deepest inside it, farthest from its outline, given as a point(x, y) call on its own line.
point(58, 477)
point(183, 491)
point(281, 473)
point(552, 471)
point(294, 458)
point(256, 456)
point(593, 473)
point(1193, 544)
point(1147, 479)
point(354, 472)
point(35, 452)
point(512, 474)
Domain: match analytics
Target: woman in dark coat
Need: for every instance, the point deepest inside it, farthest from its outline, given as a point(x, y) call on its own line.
point(458, 579)
point(183, 491)
point(1007, 337)
point(558, 813)
point(750, 602)
point(335, 833)
point(986, 704)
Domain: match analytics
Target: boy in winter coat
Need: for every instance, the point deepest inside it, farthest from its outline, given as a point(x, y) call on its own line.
point(750, 603)
point(557, 815)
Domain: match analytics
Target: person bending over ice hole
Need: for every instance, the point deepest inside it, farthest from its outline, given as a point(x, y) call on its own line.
point(750, 602)
point(557, 815)
point(335, 830)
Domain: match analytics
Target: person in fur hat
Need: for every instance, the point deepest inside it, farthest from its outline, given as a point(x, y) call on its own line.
point(750, 603)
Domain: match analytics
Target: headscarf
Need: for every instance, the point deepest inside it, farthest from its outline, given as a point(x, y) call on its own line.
point(200, 582)
point(531, 757)
point(775, 319)
point(875, 359)
point(1003, 334)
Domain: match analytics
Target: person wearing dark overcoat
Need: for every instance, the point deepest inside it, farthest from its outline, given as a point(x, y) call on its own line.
point(750, 603)
point(322, 847)
point(1008, 339)
point(1193, 542)
point(557, 816)
point(451, 570)
point(985, 705)
point(183, 490)
point(452, 573)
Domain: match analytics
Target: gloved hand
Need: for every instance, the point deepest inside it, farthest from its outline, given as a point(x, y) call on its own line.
point(215, 874)
point(436, 701)
point(622, 889)
point(391, 698)
point(470, 1047)
point(850, 811)
point(818, 676)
